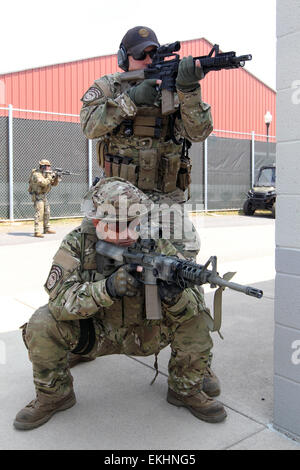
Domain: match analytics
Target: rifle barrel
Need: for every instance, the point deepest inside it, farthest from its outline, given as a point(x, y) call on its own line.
point(248, 290)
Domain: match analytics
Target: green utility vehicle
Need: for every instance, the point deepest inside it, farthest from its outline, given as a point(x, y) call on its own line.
point(263, 193)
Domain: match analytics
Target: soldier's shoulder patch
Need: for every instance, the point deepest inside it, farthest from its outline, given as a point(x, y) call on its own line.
point(92, 94)
point(54, 276)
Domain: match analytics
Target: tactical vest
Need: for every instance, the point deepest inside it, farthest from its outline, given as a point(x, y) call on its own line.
point(141, 151)
point(125, 312)
point(35, 189)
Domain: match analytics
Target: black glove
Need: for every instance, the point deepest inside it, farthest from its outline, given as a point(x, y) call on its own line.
point(169, 293)
point(144, 93)
point(188, 75)
point(122, 283)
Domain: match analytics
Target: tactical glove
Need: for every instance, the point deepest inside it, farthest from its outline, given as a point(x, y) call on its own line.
point(169, 293)
point(144, 93)
point(188, 75)
point(122, 283)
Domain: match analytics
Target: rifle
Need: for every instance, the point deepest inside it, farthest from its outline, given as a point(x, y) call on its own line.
point(61, 172)
point(167, 70)
point(171, 269)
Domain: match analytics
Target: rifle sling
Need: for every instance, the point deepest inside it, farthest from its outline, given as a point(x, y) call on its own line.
point(218, 310)
point(87, 337)
point(87, 330)
point(218, 304)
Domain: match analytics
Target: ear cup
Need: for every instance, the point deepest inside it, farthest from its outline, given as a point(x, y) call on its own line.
point(123, 58)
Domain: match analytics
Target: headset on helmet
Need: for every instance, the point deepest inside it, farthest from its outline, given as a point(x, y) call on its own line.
point(123, 62)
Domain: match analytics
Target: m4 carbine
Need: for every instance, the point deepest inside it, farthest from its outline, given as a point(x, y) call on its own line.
point(61, 172)
point(166, 70)
point(170, 269)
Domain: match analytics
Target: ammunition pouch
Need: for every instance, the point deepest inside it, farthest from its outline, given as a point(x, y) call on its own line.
point(147, 169)
point(117, 165)
point(184, 174)
point(148, 164)
point(151, 172)
point(169, 169)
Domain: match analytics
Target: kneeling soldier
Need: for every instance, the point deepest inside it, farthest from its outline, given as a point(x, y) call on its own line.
point(92, 313)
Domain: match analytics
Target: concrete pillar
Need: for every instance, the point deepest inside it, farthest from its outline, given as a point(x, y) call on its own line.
point(287, 286)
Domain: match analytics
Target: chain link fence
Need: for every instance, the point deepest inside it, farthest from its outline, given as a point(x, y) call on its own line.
point(223, 169)
point(4, 178)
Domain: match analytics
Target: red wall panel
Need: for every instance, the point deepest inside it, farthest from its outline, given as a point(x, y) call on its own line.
point(238, 99)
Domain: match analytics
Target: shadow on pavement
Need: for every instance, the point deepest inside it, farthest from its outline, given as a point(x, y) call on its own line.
point(21, 234)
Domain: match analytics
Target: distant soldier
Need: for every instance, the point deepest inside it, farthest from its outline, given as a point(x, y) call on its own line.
point(40, 184)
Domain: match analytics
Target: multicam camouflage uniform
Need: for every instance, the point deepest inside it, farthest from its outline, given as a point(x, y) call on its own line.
point(95, 310)
point(135, 142)
point(78, 300)
point(40, 185)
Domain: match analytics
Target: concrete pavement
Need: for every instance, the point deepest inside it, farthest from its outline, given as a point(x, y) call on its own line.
point(116, 407)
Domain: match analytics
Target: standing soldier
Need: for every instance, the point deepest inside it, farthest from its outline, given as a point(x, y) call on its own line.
point(141, 145)
point(137, 142)
point(40, 184)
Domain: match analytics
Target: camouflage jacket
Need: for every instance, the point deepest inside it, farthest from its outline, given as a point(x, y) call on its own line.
point(77, 290)
point(123, 130)
point(40, 183)
point(106, 104)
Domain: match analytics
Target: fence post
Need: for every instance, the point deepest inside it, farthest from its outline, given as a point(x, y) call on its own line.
point(252, 158)
point(90, 162)
point(205, 175)
point(10, 162)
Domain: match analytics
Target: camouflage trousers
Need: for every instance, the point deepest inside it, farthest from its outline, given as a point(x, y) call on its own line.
point(49, 341)
point(41, 213)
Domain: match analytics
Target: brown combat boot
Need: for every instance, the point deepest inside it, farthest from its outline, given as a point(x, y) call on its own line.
point(211, 383)
point(38, 235)
point(200, 405)
point(49, 230)
point(40, 410)
point(75, 359)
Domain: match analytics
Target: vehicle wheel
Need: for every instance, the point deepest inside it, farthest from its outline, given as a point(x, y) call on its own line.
point(274, 210)
point(247, 208)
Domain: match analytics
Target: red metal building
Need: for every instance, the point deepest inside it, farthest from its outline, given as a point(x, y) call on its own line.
point(239, 100)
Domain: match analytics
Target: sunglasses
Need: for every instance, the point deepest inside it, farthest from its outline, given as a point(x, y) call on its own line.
point(143, 55)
